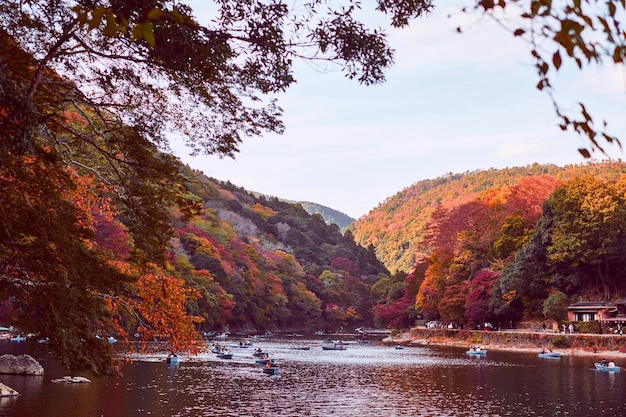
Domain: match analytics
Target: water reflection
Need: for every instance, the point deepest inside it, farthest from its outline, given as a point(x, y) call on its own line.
point(368, 381)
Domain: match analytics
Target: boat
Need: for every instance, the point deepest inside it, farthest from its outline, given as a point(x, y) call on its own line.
point(225, 355)
point(241, 346)
point(606, 368)
point(18, 338)
point(477, 352)
point(272, 370)
point(398, 347)
point(301, 347)
point(549, 355)
point(334, 346)
point(264, 362)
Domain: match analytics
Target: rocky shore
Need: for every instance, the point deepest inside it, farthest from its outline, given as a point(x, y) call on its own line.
point(605, 345)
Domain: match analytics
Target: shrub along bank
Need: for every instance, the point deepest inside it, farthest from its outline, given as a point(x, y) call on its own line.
point(519, 339)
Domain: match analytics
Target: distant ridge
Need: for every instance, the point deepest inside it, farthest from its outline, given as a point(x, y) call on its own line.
point(329, 215)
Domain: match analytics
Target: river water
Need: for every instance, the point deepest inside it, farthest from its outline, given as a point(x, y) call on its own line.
point(364, 380)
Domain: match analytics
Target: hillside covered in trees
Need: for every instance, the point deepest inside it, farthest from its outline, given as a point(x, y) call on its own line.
point(263, 264)
point(396, 228)
point(502, 245)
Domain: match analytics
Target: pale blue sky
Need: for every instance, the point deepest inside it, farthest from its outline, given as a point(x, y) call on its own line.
point(452, 103)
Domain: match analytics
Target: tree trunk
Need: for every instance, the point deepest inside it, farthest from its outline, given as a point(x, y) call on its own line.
point(606, 284)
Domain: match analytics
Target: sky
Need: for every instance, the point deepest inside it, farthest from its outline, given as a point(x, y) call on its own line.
point(451, 103)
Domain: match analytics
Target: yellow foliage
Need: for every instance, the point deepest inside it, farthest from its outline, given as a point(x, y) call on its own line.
point(265, 212)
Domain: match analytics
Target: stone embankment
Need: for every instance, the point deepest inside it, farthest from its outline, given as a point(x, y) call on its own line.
point(607, 344)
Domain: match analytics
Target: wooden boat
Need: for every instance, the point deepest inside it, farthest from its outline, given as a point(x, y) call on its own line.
point(478, 352)
point(272, 370)
point(606, 368)
point(172, 360)
point(225, 355)
point(264, 362)
point(549, 355)
point(333, 347)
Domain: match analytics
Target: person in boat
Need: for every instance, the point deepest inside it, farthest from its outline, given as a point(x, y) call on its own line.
point(604, 362)
point(611, 364)
point(543, 351)
point(268, 364)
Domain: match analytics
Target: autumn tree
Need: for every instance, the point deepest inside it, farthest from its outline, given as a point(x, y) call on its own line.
point(524, 282)
point(588, 229)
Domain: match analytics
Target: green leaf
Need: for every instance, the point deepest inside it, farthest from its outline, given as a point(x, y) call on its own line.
point(177, 16)
point(111, 27)
point(148, 34)
point(137, 32)
point(97, 14)
point(154, 14)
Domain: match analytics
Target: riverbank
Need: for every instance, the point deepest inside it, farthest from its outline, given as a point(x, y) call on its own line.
point(597, 345)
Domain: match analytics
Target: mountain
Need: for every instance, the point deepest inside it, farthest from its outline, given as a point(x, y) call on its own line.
point(263, 263)
point(396, 228)
point(501, 246)
point(330, 215)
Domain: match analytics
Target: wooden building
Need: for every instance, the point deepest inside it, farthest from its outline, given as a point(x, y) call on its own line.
point(602, 311)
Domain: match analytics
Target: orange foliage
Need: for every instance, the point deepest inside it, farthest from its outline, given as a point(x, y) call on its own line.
point(265, 212)
point(158, 306)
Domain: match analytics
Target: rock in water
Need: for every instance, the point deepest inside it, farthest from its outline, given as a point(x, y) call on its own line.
point(7, 391)
point(72, 380)
point(20, 365)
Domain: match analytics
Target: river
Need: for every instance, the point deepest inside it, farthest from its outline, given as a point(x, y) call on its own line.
point(364, 380)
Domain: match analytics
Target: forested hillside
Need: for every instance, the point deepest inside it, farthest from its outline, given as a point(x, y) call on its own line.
point(264, 263)
point(397, 227)
point(517, 244)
